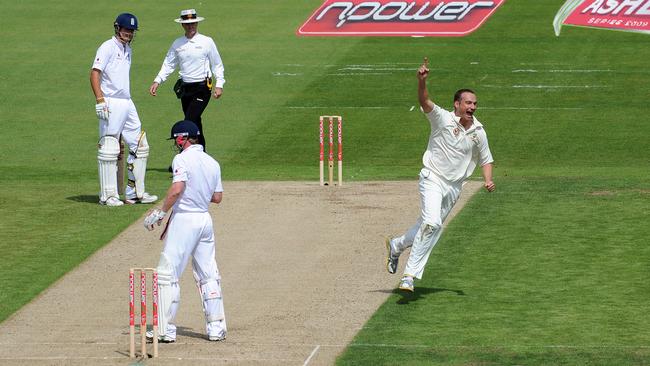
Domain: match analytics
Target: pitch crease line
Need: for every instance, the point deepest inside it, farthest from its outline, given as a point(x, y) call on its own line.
point(360, 73)
point(558, 70)
point(313, 353)
point(545, 86)
point(413, 108)
point(533, 108)
point(333, 107)
point(559, 86)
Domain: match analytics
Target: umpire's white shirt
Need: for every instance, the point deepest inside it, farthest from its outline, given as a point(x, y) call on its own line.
point(202, 177)
point(113, 59)
point(454, 152)
point(197, 58)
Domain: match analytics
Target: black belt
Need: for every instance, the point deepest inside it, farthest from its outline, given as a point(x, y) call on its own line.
point(198, 83)
point(198, 87)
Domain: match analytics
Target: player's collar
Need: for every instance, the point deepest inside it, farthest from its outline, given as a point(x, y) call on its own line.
point(119, 43)
point(195, 146)
point(475, 122)
point(194, 38)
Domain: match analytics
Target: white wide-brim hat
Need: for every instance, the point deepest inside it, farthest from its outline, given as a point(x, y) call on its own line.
point(188, 16)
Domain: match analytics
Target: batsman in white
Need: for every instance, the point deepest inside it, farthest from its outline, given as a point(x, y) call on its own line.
point(456, 145)
point(109, 80)
point(189, 233)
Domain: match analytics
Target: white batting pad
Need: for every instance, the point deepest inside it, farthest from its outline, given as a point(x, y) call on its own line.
point(212, 300)
point(139, 165)
point(168, 293)
point(108, 150)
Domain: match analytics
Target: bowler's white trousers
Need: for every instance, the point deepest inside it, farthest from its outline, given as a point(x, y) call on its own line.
point(437, 197)
point(190, 234)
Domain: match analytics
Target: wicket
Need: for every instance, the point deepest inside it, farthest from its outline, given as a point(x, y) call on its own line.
point(143, 310)
point(330, 165)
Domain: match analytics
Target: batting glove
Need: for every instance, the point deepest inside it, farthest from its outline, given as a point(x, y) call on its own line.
point(102, 110)
point(155, 216)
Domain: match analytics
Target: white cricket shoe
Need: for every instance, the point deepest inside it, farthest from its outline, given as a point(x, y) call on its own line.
point(216, 331)
point(146, 198)
point(219, 338)
point(166, 338)
point(112, 202)
point(392, 258)
point(406, 284)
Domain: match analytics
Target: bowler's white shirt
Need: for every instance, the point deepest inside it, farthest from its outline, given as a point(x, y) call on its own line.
point(202, 177)
point(113, 59)
point(454, 152)
point(197, 57)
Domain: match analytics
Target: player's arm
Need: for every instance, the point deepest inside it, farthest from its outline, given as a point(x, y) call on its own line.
point(168, 66)
point(95, 77)
point(156, 216)
point(485, 160)
point(217, 70)
point(487, 177)
point(173, 193)
point(423, 95)
point(101, 108)
point(217, 197)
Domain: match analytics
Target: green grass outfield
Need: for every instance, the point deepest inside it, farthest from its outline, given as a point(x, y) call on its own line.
point(550, 269)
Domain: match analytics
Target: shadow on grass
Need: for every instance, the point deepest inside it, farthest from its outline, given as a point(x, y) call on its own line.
point(85, 198)
point(422, 292)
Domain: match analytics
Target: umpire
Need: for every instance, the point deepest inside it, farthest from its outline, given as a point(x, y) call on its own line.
point(198, 60)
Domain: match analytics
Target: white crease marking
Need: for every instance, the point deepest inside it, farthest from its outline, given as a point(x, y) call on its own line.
point(377, 69)
point(313, 353)
point(342, 107)
point(413, 107)
point(361, 73)
point(557, 71)
point(532, 108)
point(546, 86)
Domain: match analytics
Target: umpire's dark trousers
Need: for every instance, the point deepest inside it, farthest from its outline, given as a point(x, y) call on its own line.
point(194, 100)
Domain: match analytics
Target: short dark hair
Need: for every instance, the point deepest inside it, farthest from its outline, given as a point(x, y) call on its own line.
point(460, 92)
point(193, 140)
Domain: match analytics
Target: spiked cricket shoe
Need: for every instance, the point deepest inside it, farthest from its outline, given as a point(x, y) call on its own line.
point(146, 198)
point(165, 338)
point(216, 331)
point(406, 284)
point(391, 258)
point(217, 338)
point(112, 202)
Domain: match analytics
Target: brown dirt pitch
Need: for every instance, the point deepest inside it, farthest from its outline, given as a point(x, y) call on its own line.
point(303, 268)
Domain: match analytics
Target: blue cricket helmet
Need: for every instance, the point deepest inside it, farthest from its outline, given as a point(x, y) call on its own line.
point(184, 128)
point(126, 20)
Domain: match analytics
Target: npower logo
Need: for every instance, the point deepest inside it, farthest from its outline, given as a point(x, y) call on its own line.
point(398, 18)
